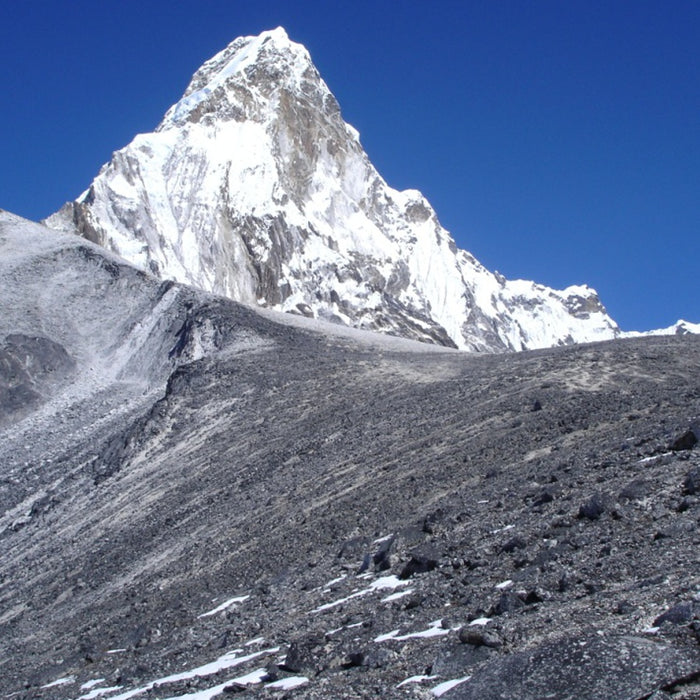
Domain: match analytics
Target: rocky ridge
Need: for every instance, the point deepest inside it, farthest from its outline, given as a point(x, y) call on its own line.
point(253, 187)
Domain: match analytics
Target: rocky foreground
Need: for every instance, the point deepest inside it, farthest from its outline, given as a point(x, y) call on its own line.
point(198, 500)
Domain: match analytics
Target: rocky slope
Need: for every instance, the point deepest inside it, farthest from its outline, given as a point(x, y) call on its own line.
point(199, 499)
point(253, 187)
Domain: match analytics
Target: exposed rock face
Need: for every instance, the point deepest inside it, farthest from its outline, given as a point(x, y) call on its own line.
point(213, 499)
point(253, 187)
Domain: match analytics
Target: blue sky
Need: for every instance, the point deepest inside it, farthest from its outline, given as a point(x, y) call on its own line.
point(557, 140)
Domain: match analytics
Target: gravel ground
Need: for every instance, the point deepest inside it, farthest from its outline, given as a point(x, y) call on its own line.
point(199, 500)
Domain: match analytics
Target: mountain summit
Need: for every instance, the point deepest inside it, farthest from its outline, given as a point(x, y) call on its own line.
point(253, 187)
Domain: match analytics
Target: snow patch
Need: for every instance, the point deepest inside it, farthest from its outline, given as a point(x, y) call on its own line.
point(228, 660)
point(396, 596)
point(442, 688)
point(288, 683)
point(92, 684)
point(60, 681)
point(225, 605)
point(435, 629)
point(97, 692)
point(416, 679)
point(480, 621)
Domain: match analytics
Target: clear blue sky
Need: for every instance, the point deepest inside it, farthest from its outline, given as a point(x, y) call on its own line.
point(558, 140)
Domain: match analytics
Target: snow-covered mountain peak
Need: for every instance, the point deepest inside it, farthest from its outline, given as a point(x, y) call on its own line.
point(254, 187)
point(249, 71)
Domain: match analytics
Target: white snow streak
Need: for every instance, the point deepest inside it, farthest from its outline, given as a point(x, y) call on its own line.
point(60, 681)
point(441, 689)
point(224, 606)
point(228, 660)
point(288, 683)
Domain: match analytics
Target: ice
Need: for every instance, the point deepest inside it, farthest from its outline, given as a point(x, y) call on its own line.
point(442, 688)
point(288, 683)
point(92, 684)
point(224, 606)
point(504, 584)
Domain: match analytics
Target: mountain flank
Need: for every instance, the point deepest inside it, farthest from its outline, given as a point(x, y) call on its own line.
point(202, 500)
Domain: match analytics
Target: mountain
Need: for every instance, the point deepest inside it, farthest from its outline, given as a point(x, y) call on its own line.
point(253, 187)
point(200, 500)
point(680, 327)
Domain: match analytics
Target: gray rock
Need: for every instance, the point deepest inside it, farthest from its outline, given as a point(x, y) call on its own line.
point(687, 440)
point(679, 614)
point(422, 560)
point(593, 508)
point(480, 637)
point(691, 483)
point(615, 668)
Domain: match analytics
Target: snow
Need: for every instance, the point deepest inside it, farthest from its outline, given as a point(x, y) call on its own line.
point(60, 681)
point(180, 196)
point(345, 627)
point(381, 584)
point(92, 684)
point(387, 582)
point(340, 601)
point(480, 621)
point(442, 688)
point(98, 692)
point(504, 584)
point(396, 596)
point(207, 694)
point(654, 458)
point(225, 605)
point(228, 660)
point(379, 540)
point(435, 629)
point(416, 679)
point(680, 327)
point(288, 683)
point(386, 636)
point(502, 529)
point(251, 678)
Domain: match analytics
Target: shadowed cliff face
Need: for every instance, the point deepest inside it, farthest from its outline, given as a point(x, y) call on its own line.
point(204, 497)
